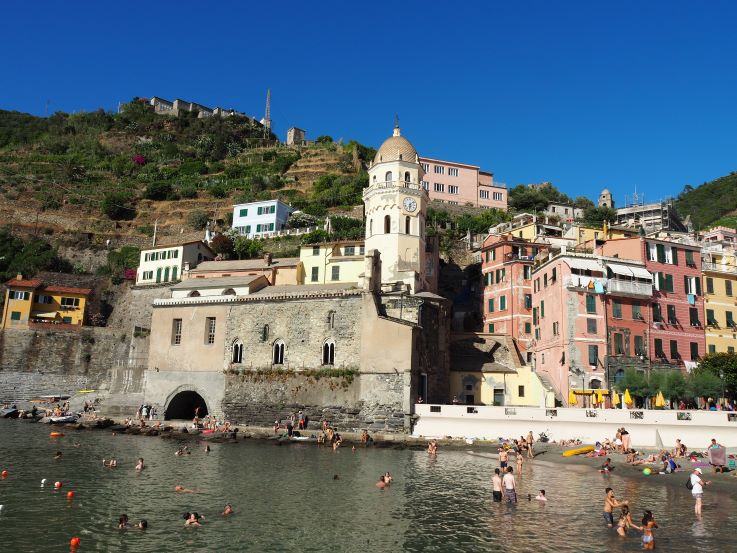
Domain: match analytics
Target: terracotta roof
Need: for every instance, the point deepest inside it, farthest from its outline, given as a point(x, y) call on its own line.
point(68, 290)
point(25, 283)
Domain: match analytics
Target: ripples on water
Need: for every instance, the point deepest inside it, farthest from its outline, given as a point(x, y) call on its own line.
point(286, 500)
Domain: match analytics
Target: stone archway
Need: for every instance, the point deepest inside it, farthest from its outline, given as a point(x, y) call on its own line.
point(183, 405)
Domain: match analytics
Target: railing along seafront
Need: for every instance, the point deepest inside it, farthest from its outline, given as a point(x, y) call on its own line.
point(647, 427)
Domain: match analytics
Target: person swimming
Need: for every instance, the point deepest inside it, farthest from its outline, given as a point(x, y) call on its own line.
point(57, 456)
point(181, 489)
point(142, 524)
point(381, 484)
point(228, 510)
point(192, 519)
point(541, 496)
point(123, 521)
point(140, 466)
point(648, 524)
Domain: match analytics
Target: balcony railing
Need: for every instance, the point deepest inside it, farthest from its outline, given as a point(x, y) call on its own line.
point(396, 184)
point(629, 288)
point(718, 267)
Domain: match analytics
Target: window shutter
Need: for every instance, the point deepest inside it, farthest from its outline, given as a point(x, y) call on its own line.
point(685, 285)
point(660, 248)
point(697, 280)
point(669, 283)
point(674, 253)
point(542, 309)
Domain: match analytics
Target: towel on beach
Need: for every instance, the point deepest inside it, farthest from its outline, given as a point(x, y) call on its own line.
point(718, 456)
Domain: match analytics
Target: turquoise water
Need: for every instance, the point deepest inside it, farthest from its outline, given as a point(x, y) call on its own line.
point(286, 500)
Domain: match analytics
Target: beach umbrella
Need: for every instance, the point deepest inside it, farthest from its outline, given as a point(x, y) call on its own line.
point(571, 399)
point(659, 400)
point(599, 397)
point(615, 398)
point(627, 397)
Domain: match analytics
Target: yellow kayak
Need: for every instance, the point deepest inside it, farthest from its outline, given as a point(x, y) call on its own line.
point(578, 451)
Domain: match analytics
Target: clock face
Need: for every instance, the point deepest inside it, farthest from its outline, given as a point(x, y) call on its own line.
point(409, 204)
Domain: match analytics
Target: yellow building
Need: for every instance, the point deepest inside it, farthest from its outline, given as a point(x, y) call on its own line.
point(589, 236)
point(332, 262)
point(31, 303)
point(719, 268)
point(487, 369)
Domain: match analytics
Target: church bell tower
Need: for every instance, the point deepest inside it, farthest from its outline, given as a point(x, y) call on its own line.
point(395, 206)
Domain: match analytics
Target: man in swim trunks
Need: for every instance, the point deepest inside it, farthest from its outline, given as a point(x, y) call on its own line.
point(510, 486)
point(503, 458)
point(496, 485)
point(609, 505)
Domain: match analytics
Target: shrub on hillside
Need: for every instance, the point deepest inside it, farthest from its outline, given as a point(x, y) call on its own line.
point(158, 190)
point(198, 220)
point(118, 205)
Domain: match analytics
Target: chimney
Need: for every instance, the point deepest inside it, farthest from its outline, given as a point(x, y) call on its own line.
point(19, 276)
point(267, 259)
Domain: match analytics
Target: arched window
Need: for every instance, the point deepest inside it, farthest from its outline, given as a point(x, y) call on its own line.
point(595, 384)
point(229, 292)
point(265, 333)
point(328, 353)
point(374, 178)
point(194, 294)
point(237, 353)
point(406, 177)
point(388, 176)
point(278, 357)
point(406, 225)
point(331, 319)
point(387, 224)
point(619, 375)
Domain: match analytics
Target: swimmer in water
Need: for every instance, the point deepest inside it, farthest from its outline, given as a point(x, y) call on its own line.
point(228, 510)
point(142, 524)
point(123, 521)
point(625, 521)
point(388, 477)
point(181, 489)
point(207, 448)
point(648, 524)
point(609, 505)
point(541, 496)
point(140, 466)
point(192, 519)
point(57, 456)
point(381, 484)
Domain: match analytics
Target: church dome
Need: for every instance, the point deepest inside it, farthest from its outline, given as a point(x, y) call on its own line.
point(396, 148)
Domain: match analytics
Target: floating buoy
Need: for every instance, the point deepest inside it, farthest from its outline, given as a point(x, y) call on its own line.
point(74, 542)
point(56, 434)
point(70, 494)
point(58, 485)
point(4, 474)
point(43, 482)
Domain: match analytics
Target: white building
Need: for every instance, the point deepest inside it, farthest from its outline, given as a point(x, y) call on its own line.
point(567, 213)
point(166, 263)
point(258, 219)
point(219, 286)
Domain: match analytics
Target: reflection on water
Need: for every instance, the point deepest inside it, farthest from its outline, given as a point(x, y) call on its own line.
point(287, 500)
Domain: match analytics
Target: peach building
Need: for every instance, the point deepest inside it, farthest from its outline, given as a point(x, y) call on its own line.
point(462, 184)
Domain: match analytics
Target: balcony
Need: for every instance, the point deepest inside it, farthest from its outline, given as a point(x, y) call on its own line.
point(718, 268)
point(580, 281)
point(631, 288)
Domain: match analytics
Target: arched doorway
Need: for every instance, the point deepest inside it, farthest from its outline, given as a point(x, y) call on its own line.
point(184, 404)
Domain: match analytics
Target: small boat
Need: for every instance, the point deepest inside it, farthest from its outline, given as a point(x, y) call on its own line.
point(578, 451)
point(56, 434)
point(63, 419)
point(9, 413)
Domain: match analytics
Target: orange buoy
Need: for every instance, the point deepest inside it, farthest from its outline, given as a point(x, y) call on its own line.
point(74, 542)
point(4, 474)
point(58, 485)
point(57, 434)
point(70, 494)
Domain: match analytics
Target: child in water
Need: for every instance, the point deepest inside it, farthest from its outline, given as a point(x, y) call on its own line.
point(648, 524)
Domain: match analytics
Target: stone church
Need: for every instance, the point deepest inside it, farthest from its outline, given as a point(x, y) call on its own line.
point(358, 354)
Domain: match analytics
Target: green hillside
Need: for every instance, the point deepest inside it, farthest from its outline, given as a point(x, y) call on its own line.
point(713, 203)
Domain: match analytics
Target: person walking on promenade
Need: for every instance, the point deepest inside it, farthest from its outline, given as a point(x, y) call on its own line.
point(697, 489)
point(610, 503)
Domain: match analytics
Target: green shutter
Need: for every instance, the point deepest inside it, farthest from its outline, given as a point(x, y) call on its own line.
point(674, 253)
point(528, 328)
point(660, 248)
point(491, 305)
point(491, 328)
point(698, 285)
point(542, 308)
point(502, 303)
point(590, 304)
point(669, 283)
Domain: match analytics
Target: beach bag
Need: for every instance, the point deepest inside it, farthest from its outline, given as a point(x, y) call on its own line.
point(689, 484)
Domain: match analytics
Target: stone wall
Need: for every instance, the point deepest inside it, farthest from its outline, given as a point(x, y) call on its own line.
point(45, 362)
point(365, 401)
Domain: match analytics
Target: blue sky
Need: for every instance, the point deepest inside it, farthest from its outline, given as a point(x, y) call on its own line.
point(583, 94)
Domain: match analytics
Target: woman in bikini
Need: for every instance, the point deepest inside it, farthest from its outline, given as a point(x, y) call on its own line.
point(625, 521)
point(648, 524)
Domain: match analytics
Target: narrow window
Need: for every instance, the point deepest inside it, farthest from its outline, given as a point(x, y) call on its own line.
point(406, 225)
point(331, 319)
point(387, 224)
point(406, 177)
point(315, 274)
point(388, 176)
point(616, 309)
point(639, 345)
point(328, 353)
point(210, 330)
point(727, 287)
point(694, 347)
point(618, 344)
point(593, 355)
point(265, 333)
point(335, 274)
point(237, 351)
point(590, 304)
point(278, 352)
point(674, 349)
point(176, 332)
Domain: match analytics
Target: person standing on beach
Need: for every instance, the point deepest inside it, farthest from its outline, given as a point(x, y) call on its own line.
point(510, 486)
point(697, 489)
point(496, 486)
point(610, 503)
point(530, 442)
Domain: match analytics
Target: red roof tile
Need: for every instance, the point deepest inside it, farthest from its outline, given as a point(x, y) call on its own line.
point(68, 290)
point(25, 283)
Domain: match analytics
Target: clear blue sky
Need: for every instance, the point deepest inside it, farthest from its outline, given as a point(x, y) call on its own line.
point(584, 94)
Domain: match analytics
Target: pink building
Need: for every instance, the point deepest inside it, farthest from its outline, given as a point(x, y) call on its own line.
point(462, 184)
point(590, 316)
point(506, 272)
point(722, 235)
point(676, 336)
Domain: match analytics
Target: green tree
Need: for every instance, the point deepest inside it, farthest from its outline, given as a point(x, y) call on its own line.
point(246, 248)
point(324, 139)
point(126, 257)
point(222, 245)
point(722, 365)
point(346, 228)
point(703, 383)
point(198, 220)
point(119, 205)
point(157, 190)
point(636, 382)
point(315, 237)
point(595, 216)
